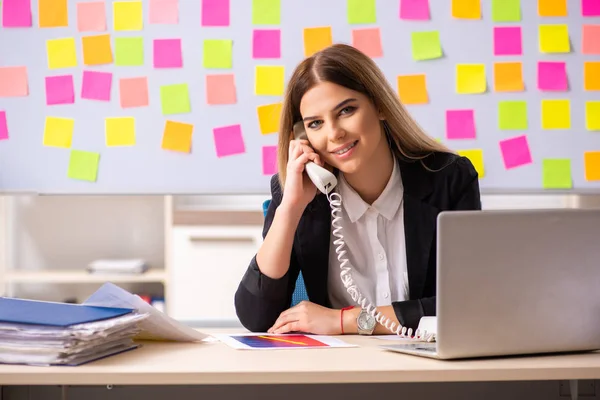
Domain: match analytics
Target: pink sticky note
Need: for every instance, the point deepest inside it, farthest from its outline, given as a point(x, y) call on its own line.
point(16, 13)
point(552, 75)
point(269, 160)
point(368, 41)
point(164, 12)
point(266, 43)
point(590, 8)
point(133, 92)
point(215, 12)
point(229, 140)
point(96, 85)
point(3, 126)
point(59, 90)
point(515, 151)
point(591, 39)
point(91, 17)
point(414, 9)
point(167, 53)
point(507, 41)
point(13, 82)
point(460, 124)
point(220, 89)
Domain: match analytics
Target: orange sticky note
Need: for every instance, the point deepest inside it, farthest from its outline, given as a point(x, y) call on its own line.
point(13, 82)
point(508, 77)
point(466, 9)
point(134, 92)
point(552, 8)
point(368, 41)
point(591, 160)
point(412, 89)
point(591, 72)
point(220, 89)
point(269, 117)
point(177, 136)
point(316, 39)
point(591, 39)
point(53, 13)
point(97, 50)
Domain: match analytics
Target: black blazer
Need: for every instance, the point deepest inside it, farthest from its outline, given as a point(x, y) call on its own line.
point(259, 299)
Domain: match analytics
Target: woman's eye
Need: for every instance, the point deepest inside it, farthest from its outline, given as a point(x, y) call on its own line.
point(313, 125)
point(347, 109)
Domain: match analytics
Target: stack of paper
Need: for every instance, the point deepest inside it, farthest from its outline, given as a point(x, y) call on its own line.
point(135, 266)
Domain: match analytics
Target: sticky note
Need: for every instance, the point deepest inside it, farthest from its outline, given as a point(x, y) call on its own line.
point(269, 160)
point(228, 140)
point(3, 126)
point(552, 76)
point(83, 165)
point(591, 160)
point(177, 136)
point(515, 152)
point(13, 81)
point(61, 53)
point(556, 114)
point(426, 45)
point(266, 12)
point(269, 80)
point(552, 8)
point(163, 12)
point(591, 72)
point(414, 10)
point(167, 53)
point(58, 132)
point(361, 11)
point(96, 85)
point(368, 41)
point(119, 131)
point(316, 39)
point(476, 158)
point(175, 99)
point(512, 115)
point(97, 50)
point(470, 78)
point(590, 8)
point(129, 51)
point(554, 38)
point(590, 39)
point(556, 173)
point(466, 9)
point(128, 16)
point(59, 90)
point(218, 53)
point(506, 10)
point(133, 92)
point(412, 89)
point(266, 43)
point(460, 124)
point(220, 89)
point(508, 77)
point(507, 41)
point(16, 13)
point(91, 17)
point(215, 12)
point(52, 13)
point(592, 115)
point(268, 118)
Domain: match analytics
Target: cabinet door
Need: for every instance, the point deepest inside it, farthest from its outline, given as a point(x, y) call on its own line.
point(207, 266)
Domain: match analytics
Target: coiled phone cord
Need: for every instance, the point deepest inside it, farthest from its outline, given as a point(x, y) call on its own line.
point(335, 201)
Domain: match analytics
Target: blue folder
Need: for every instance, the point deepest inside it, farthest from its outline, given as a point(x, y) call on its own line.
point(33, 312)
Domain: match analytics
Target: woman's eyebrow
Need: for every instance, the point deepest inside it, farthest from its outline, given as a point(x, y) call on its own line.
point(343, 103)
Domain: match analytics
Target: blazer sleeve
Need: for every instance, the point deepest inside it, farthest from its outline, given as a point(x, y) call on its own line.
point(259, 299)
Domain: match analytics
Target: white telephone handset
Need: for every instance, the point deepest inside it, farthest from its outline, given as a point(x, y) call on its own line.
point(326, 181)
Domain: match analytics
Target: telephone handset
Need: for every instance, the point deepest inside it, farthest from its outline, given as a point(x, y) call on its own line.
point(326, 181)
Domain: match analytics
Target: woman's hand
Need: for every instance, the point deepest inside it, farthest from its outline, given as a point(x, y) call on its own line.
point(309, 318)
point(299, 189)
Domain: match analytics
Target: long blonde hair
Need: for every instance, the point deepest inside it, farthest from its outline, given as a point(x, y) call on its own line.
point(346, 66)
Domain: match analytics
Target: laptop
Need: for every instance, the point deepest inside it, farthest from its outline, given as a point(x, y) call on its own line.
point(515, 282)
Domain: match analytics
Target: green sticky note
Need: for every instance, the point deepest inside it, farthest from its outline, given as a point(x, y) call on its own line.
point(506, 10)
point(83, 165)
point(557, 173)
point(218, 53)
point(175, 99)
point(361, 11)
point(512, 115)
point(426, 45)
point(129, 51)
point(266, 12)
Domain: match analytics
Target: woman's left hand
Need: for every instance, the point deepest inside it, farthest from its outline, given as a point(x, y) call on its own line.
point(309, 318)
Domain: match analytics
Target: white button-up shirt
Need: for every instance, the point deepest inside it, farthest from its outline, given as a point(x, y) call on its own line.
point(375, 245)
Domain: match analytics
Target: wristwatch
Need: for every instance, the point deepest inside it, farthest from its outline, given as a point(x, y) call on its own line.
point(365, 322)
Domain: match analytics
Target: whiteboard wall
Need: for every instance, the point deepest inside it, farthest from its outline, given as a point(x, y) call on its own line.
point(29, 165)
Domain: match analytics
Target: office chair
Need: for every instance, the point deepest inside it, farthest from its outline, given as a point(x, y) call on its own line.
point(300, 290)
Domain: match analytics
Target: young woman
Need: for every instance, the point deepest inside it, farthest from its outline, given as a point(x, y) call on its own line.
point(393, 180)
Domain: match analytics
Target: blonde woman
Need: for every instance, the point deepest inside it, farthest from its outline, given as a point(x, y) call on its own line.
point(393, 180)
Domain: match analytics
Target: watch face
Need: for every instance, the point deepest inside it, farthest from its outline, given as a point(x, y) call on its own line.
point(366, 320)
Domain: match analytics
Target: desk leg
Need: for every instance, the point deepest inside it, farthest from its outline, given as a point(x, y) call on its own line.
point(574, 388)
point(63, 392)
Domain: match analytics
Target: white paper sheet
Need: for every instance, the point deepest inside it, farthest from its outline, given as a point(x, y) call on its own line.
point(266, 341)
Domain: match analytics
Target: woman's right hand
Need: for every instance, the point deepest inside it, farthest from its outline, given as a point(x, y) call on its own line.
point(299, 190)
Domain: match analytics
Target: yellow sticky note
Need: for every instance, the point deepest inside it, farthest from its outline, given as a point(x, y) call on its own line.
point(552, 8)
point(591, 73)
point(61, 53)
point(97, 50)
point(554, 38)
point(592, 115)
point(476, 158)
point(120, 131)
point(128, 16)
point(177, 136)
point(412, 89)
point(58, 132)
point(466, 9)
point(316, 39)
point(591, 160)
point(268, 118)
point(53, 13)
point(269, 80)
point(470, 78)
point(556, 114)
point(508, 77)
